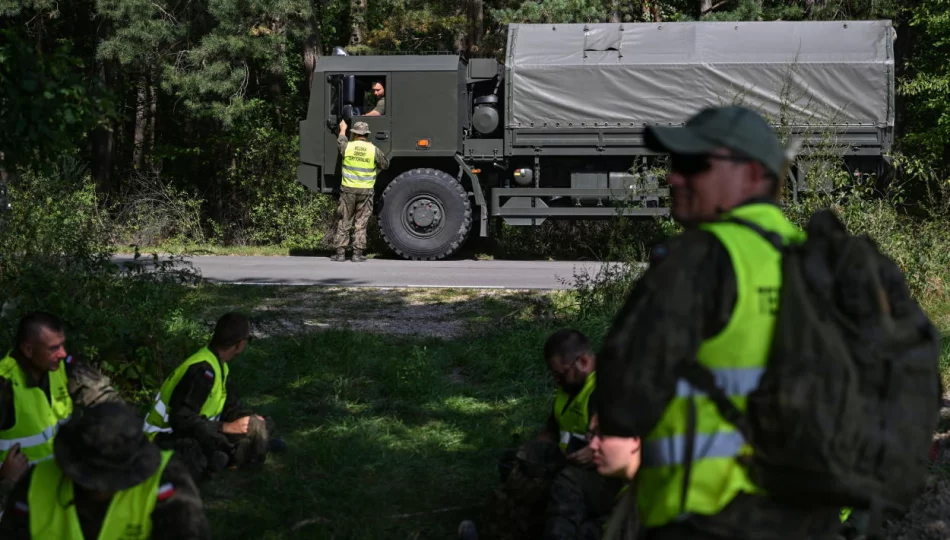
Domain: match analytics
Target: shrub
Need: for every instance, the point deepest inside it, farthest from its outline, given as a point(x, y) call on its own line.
point(53, 257)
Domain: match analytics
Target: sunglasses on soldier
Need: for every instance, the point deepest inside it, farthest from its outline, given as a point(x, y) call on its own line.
point(690, 164)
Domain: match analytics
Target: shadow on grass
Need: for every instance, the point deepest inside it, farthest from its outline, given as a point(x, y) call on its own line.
point(389, 437)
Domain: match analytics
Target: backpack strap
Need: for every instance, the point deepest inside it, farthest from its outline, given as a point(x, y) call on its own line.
point(703, 379)
point(772, 238)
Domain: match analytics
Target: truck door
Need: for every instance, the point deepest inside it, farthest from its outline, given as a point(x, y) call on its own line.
point(355, 98)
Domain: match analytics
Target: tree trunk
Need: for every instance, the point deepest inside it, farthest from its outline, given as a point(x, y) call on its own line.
point(138, 139)
point(102, 140)
point(705, 6)
point(615, 11)
point(358, 21)
point(311, 53)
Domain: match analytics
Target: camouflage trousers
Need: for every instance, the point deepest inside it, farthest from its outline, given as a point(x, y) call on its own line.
point(579, 503)
point(354, 210)
point(245, 449)
point(542, 497)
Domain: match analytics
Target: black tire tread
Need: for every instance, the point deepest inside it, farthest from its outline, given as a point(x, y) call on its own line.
point(464, 229)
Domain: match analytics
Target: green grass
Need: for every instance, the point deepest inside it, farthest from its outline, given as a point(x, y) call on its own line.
point(380, 426)
point(389, 437)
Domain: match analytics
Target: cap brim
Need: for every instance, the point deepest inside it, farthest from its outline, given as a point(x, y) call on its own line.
point(106, 477)
point(677, 140)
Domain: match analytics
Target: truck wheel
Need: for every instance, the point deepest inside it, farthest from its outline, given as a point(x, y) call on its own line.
point(425, 214)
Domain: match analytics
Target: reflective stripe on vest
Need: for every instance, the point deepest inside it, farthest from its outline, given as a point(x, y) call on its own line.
point(156, 421)
point(36, 420)
point(359, 165)
point(53, 513)
point(571, 414)
point(737, 357)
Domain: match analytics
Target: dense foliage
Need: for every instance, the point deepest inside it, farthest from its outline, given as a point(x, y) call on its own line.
point(202, 99)
point(147, 121)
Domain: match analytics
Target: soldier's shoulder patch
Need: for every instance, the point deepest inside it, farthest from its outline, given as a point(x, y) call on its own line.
point(166, 491)
point(208, 374)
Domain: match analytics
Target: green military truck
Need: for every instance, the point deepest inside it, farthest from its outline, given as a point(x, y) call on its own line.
point(556, 131)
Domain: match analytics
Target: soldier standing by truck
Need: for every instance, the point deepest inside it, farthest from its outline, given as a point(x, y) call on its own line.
point(361, 158)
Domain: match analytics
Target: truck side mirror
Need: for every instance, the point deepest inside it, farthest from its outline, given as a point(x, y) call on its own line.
point(348, 90)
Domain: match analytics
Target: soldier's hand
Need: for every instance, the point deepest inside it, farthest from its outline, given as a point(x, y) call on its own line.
point(584, 456)
point(342, 126)
point(237, 427)
point(15, 465)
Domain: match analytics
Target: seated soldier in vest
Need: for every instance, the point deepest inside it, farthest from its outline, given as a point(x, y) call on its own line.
point(107, 481)
point(559, 453)
point(581, 497)
point(197, 411)
point(39, 386)
point(617, 458)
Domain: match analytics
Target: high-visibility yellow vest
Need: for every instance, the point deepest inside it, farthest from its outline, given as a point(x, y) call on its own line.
point(571, 414)
point(36, 418)
point(157, 419)
point(737, 356)
point(53, 511)
point(359, 164)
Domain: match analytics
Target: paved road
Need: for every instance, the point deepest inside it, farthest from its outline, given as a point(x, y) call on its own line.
point(260, 270)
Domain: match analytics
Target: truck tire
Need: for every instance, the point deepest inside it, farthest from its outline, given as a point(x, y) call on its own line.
point(425, 215)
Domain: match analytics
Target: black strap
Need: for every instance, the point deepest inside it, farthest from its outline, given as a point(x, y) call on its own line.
point(703, 379)
point(769, 236)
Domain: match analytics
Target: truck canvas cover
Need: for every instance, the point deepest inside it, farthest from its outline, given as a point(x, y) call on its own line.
point(573, 75)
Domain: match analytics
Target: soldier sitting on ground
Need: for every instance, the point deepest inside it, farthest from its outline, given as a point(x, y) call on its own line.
point(107, 481)
point(40, 383)
point(198, 413)
point(617, 458)
point(549, 482)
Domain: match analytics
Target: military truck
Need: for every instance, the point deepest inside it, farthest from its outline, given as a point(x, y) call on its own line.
point(556, 131)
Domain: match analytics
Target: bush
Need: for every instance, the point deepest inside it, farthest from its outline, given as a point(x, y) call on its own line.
point(53, 257)
point(919, 245)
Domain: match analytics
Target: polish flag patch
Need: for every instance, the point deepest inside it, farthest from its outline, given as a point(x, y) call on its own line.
point(21, 508)
point(209, 375)
point(69, 359)
point(165, 491)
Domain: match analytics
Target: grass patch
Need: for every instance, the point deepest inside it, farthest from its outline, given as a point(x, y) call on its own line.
point(379, 427)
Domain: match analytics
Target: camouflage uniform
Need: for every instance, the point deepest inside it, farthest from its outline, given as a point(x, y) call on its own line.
point(112, 462)
point(198, 441)
point(579, 503)
point(691, 298)
point(87, 387)
point(521, 501)
point(356, 204)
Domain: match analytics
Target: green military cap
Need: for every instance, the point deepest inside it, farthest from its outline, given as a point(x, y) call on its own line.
point(734, 127)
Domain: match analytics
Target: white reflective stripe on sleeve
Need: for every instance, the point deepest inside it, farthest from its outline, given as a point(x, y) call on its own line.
point(33, 440)
point(566, 436)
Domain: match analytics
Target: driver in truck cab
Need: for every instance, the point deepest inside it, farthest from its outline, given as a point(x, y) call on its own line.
point(361, 159)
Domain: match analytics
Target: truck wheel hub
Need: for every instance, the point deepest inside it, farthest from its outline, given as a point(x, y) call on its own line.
point(423, 214)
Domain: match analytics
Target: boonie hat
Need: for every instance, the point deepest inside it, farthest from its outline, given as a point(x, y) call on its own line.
point(734, 127)
point(103, 448)
point(360, 128)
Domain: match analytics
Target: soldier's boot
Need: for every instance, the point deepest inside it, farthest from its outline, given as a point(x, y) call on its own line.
point(219, 460)
point(276, 445)
point(467, 531)
point(358, 255)
point(340, 255)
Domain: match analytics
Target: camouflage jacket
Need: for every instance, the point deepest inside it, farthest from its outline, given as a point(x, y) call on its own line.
point(184, 409)
point(176, 517)
point(87, 387)
point(685, 297)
